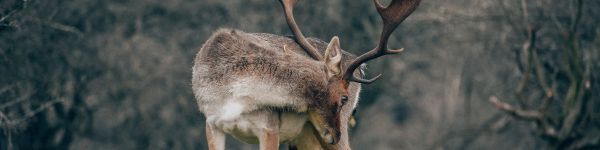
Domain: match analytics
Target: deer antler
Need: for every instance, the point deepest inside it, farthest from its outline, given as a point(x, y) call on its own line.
point(288, 7)
point(392, 16)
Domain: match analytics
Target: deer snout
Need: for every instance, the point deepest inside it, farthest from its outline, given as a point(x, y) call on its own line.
point(330, 136)
point(327, 137)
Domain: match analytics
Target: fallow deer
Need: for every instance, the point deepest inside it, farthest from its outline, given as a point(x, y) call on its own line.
point(267, 89)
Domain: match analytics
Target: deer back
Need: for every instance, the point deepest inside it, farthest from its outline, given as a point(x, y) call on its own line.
point(230, 55)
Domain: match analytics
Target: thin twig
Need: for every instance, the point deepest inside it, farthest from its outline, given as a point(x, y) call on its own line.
point(548, 98)
point(64, 28)
point(19, 99)
point(3, 118)
point(539, 71)
point(556, 22)
point(516, 112)
point(59, 26)
point(12, 12)
point(38, 110)
point(6, 88)
point(525, 12)
point(8, 15)
point(13, 122)
point(528, 47)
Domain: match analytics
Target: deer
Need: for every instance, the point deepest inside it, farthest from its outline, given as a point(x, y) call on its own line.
point(269, 89)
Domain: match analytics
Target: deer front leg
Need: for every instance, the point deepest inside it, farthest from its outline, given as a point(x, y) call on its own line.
point(215, 138)
point(269, 136)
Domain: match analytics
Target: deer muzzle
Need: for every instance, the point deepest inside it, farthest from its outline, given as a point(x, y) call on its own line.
point(330, 136)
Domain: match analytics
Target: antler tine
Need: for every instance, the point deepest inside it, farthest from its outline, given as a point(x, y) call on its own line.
point(392, 16)
point(288, 7)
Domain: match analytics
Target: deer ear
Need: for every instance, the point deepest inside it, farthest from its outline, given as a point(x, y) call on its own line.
point(333, 58)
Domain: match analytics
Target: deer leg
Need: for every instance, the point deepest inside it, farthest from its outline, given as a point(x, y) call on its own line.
point(269, 137)
point(215, 138)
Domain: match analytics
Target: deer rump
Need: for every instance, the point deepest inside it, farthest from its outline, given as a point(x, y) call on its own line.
point(238, 78)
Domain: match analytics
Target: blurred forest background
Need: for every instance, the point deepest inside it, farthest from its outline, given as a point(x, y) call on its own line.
point(476, 74)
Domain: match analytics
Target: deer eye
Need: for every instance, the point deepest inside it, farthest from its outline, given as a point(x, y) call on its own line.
point(344, 99)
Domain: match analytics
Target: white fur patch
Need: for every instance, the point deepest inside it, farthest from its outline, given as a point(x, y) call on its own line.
point(231, 110)
point(263, 93)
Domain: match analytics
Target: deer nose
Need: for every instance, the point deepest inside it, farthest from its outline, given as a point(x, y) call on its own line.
point(328, 137)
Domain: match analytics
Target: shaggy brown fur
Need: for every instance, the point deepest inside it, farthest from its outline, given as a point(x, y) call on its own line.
point(231, 54)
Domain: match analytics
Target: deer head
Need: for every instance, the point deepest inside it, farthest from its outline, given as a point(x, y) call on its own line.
point(324, 113)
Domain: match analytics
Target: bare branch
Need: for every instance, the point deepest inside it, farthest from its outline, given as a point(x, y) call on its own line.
point(576, 16)
point(12, 12)
point(516, 112)
point(58, 26)
point(6, 122)
point(64, 28)
point(525, 12)
point(19, 99)
point(38, 110)
point(548, 98)
point(540, 74)
point(575, 112)
point(8, 15)
point(3, 118)
point(6, 88)
point(528, 47)
point(587, 142)
point(564, 129)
